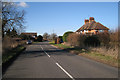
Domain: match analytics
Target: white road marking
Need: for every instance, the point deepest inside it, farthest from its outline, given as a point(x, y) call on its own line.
point(44, 51)
point(47, 54)
point(41, 47)
point(65, 71)
point(59, 65)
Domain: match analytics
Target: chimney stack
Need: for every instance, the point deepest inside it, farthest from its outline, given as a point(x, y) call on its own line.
point(86, 20)
point(91, 19)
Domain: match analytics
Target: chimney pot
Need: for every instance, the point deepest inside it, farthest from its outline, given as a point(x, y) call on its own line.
point(91, 19)
point(86, 20)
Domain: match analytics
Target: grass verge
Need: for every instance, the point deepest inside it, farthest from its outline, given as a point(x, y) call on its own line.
point(61, 46)
point(102, 58)
point(9, 54)
point(90, 54)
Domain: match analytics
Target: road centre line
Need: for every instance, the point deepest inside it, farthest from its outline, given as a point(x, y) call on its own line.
point(59, 66)
point(44, 51)
point(47, 54)
point(64, 71)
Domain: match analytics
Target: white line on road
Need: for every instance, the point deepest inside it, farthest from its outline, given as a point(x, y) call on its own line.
point(59, 65)
point(41, 47)
point(45, 52)
point(65, 71)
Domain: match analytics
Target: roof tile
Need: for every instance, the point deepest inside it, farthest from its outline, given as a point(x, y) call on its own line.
point(93, 25)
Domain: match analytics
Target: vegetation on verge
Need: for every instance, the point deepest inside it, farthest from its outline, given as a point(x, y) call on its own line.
point(9, 54)
point(13, 20)
point(102, 58)
point(65, 35)
point(49, 37)
point(89, 54)
point(60, 45)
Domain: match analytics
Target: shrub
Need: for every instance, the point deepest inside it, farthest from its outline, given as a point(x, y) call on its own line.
point(9, 43)
point(61, 40)
point(104, 38)
point(65, 35)
point(114, 36)
point(39, 38)
point(92, 41)
point(76, 39)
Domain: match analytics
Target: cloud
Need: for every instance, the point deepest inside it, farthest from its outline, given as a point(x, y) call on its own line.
point(22, 4)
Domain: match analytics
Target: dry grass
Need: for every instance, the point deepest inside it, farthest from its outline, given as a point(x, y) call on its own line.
point(10, 43)
point(10, 48)
point(102, 58)
point(101, 54)
point(6, 57)
point(61, 46)
point(113, 52)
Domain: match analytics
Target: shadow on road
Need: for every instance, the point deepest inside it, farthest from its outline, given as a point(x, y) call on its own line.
point(47, 48)
point(41, 53)
point(37, 52)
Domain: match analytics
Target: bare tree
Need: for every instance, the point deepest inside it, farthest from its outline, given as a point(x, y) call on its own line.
point(53, 36)
point(45, 35)
point(11, 17)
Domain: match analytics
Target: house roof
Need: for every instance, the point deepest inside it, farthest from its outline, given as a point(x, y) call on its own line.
point(30, 33)
point(93, 25)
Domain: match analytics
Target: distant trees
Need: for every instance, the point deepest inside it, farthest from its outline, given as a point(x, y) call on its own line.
point(65, 35)
point(39, 38)
point(45, 35)
point(53, 36)
point(12, 18)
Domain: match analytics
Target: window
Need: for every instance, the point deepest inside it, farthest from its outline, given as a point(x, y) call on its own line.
point(86, 30)
point(101, 30)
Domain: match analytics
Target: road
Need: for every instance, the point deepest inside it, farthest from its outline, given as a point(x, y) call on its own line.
point(41, 60)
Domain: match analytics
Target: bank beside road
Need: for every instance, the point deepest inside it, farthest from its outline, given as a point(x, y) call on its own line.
point(89, 54)
point(9, 56)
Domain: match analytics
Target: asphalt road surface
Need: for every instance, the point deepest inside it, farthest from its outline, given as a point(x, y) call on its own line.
point(41, 60)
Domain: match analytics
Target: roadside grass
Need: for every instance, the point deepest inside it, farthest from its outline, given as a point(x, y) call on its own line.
point(102, 58)
point(60, 45)
point(9, 54)
point(89, 54)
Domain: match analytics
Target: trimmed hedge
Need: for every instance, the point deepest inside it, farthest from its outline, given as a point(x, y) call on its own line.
point(65, 35)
